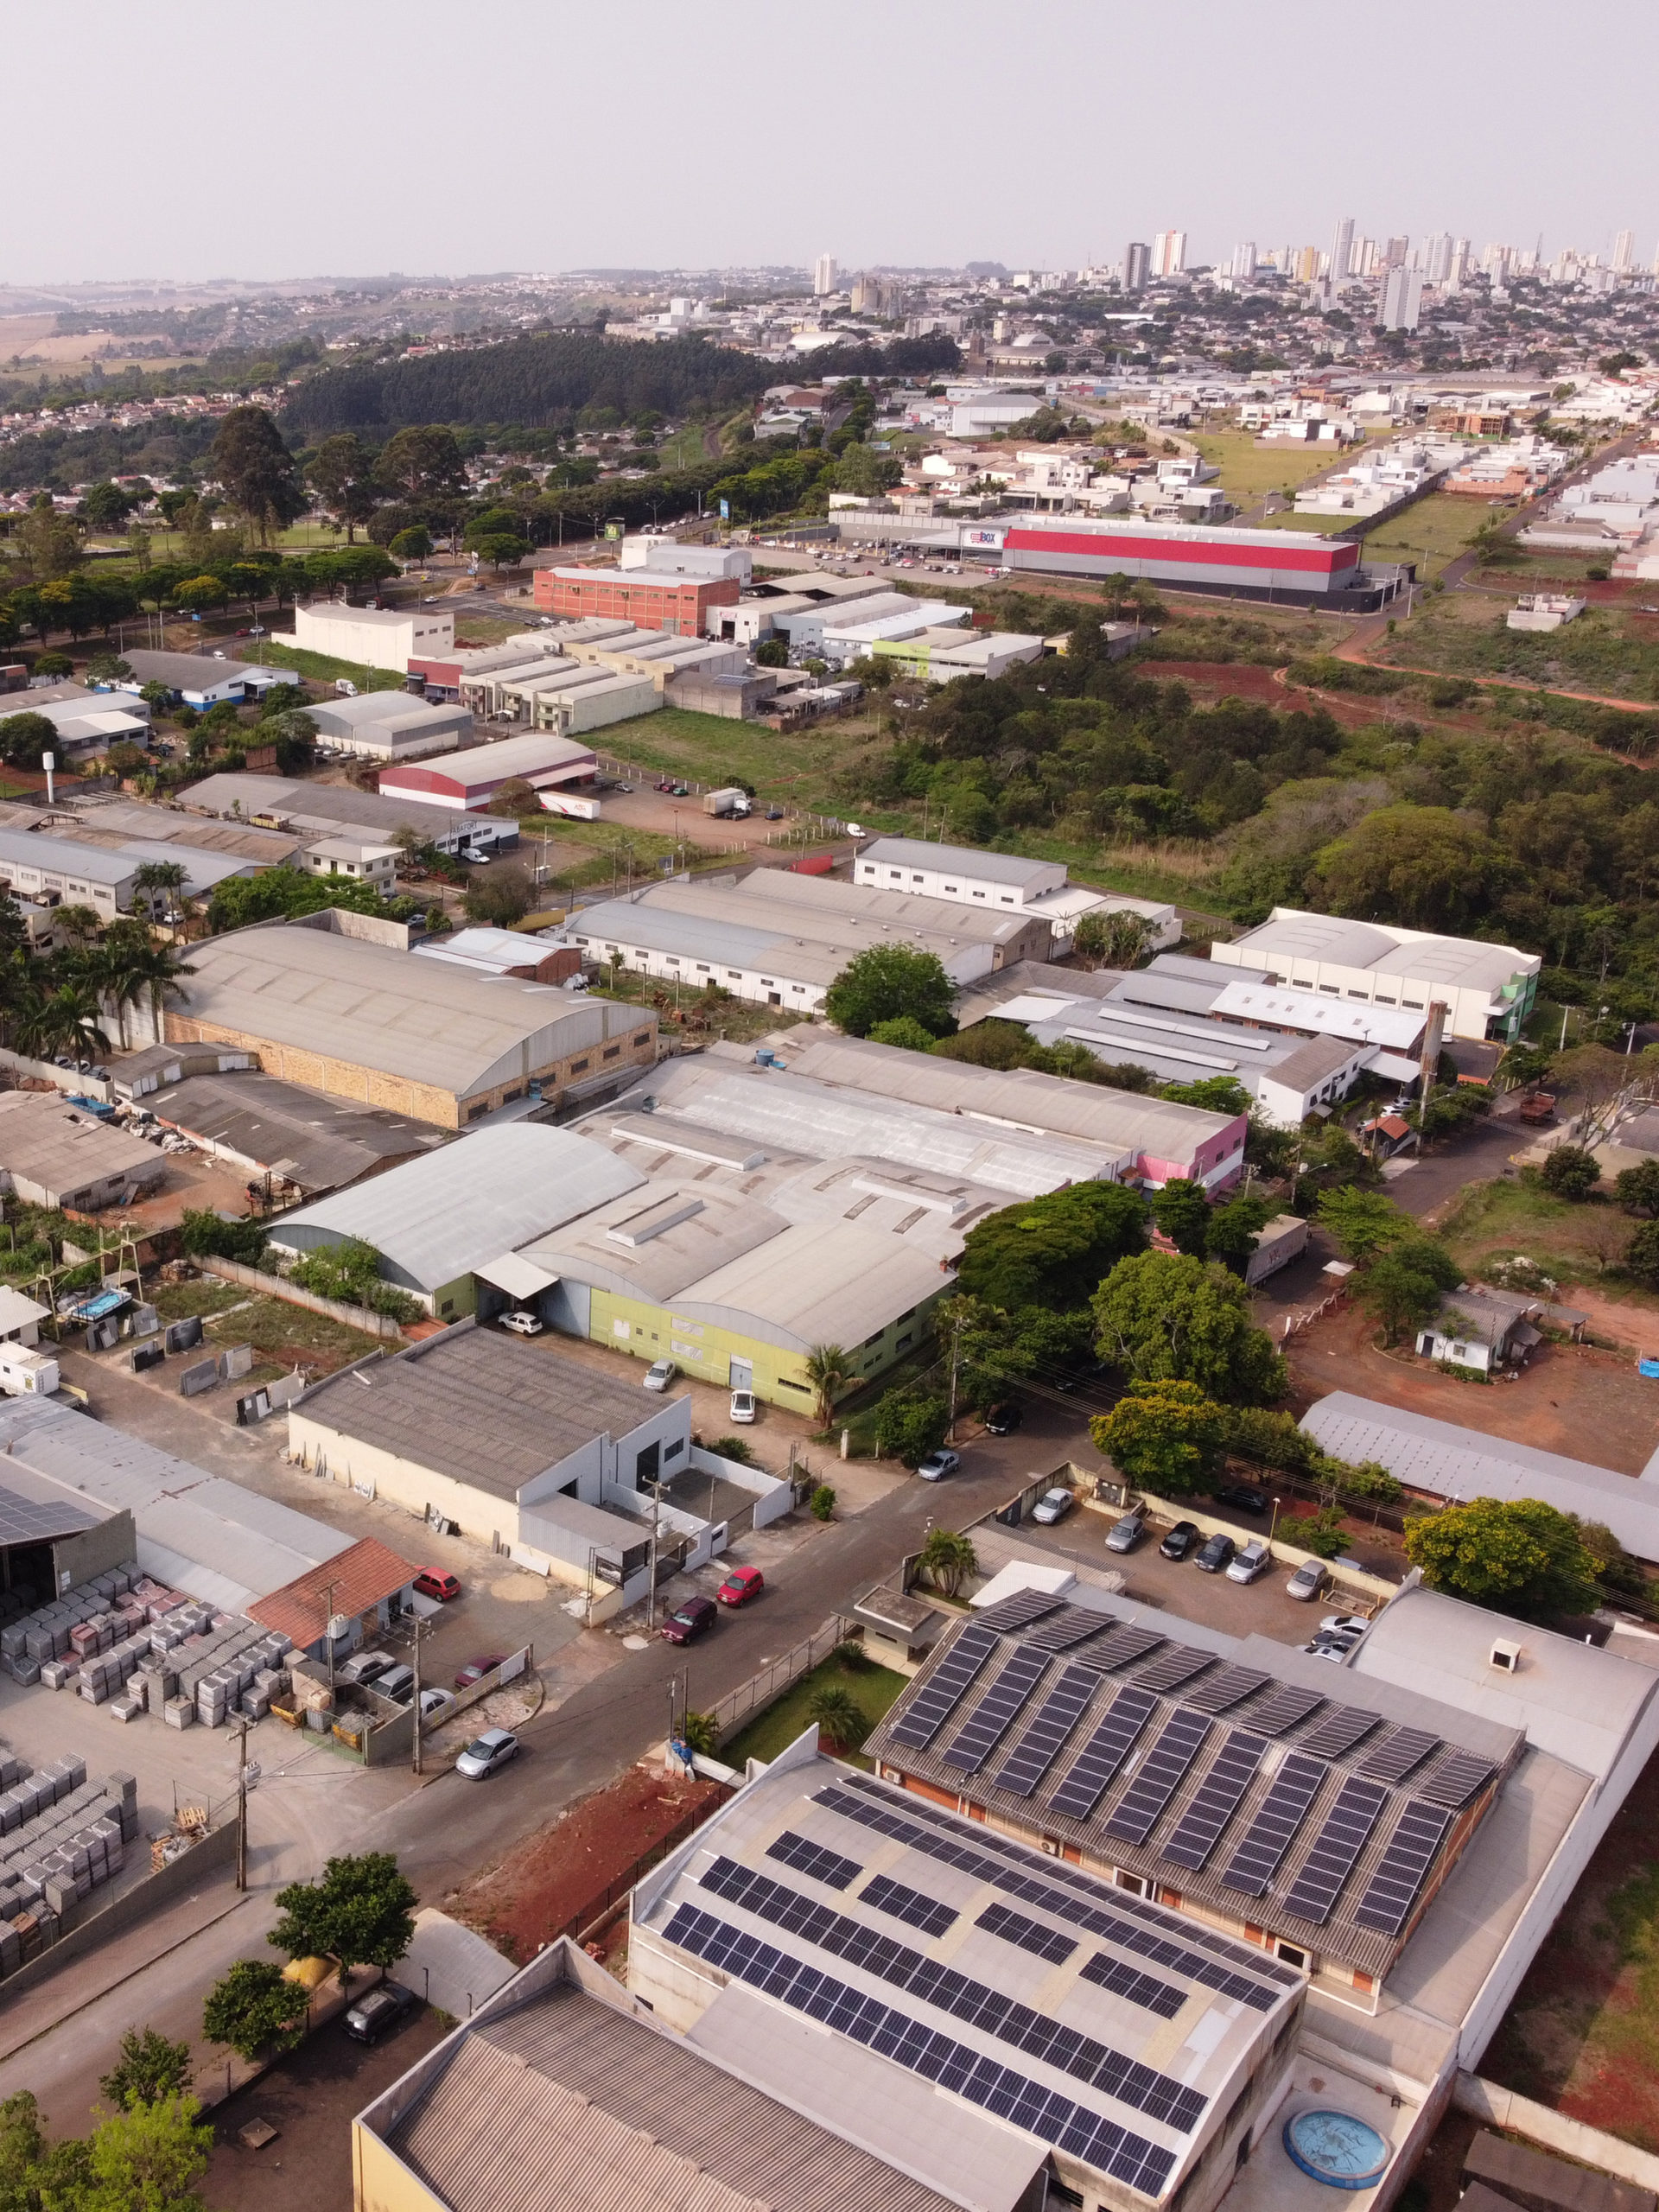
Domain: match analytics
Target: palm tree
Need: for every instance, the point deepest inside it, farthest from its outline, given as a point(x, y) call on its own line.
point(63, 1021)
point(948, 1558)
point(162, 879)
point(80, 925)
point(826, 1369)
point(158, 969)
point(840, 1722)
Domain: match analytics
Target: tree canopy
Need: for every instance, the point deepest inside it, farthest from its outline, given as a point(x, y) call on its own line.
point(260, 476)
point(359, 1912)
point(1517, 1555)
point(1162, 1317)
point(1053, 1251)
point(887, 982)
point(1163, 1436)
point(1422, 866)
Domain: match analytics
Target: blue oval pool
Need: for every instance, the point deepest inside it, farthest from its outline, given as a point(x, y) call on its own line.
point(1336, 2149)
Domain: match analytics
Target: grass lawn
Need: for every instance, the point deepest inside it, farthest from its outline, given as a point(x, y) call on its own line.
point(873, 1690)
point(1247, 470)
point(687, 1013)
point(1574, 1243)
point(1609, 650)
point(323, 668)
point(283, 1335)
point(684, 449)
point(800, 767)
point(1431, 533)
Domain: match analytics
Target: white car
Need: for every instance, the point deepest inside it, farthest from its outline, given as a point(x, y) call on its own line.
point(435, 1703)
point(743, 1405)
point(522, 1324)
point(1252, 1560)
point(660, 1374)
point(485, 1753)
point(1053, 1505)
point(1353, 1624)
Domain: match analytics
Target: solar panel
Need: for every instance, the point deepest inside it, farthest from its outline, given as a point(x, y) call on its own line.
point(1035, 1752)
point(1288, 1704)
point(986, 1726)
point(906, 1904)
point(944, 1688)
point(1019, 1610)
point(932, 1983)
point(1124, 1646)
point(826, 1866)
point(1339, 1844)
point(1338, 1731)
point(1229, 1687)
point(1409, 1852)
point(1082, 2133)
point(1026, 1934)
point(1162, 1997)
point(1459, 1778)
point(1071, 1625)
point(1394, 1758)
point(1105, 1752)
point(1161, 1773)
point(1216, 1800)
point(1084, 1901)
point(1282, 1812)
point(1172, 1667)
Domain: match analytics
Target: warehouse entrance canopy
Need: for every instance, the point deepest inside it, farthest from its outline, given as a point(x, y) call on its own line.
point(518, 1277)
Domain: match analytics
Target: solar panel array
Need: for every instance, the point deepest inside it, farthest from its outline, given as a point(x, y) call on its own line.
point(826, 1866)
point(1394, 1758)
point(1026, 1935)
point(1090, 1910)
point(1018, 1611)
point(1339, 1731)
point(1226, 1688)
point(1162, 1997)
point(1269, 1836)
point(906, 1904)
point(988, 1724)
point(1347, 1828)
point(1059, 1713)
point(931, 1983)
point(1084, 2134)
point(1105, 1752)
point(1172, 1667)
point(946, 1687)
point(1071, 1625)
point(1216, 1800)
point(1288, 1705)
point(1459, 1778)
point(1392, 1890)
point(1160, 1774)
point(1124, 1646)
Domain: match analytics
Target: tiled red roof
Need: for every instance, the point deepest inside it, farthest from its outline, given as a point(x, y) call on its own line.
point(351, 1582)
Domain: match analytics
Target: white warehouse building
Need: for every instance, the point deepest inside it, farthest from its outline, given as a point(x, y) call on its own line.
point(1487, 990)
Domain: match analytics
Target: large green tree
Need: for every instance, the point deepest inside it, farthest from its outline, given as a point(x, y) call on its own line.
point(359, 1912)
point(423, 462)
point(887, 982)
point(259, 474)
point(1165, 1436)
point(1422, 866)
point(1362, 1222)
point(909, 1424)
point(341, 473)
point(1053, 1251)
point(1161, 1316)
point(254, 2009)
point(1181, 1211)
point(1402, 1286)
point(1517, 1555)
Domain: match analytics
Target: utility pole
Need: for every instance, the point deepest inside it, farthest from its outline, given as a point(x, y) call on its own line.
point(242, 1806)
point(651, 1594)
point(415, 1657)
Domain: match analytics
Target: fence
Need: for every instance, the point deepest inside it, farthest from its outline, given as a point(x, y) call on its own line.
point(768, 1686)
point(355, 1317)
point(1553, 2131)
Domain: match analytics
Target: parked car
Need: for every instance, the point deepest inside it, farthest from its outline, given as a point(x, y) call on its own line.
point(743, 1405)
point(522, 1324)
point(1308, 1580)
point(397, 1682)
point(1335, 1647)
point(741, 1585)
point(1003, 1419)
point(487, 1752)
point(435, 1703)
point(378, 2011)
point(1124, 1536)
point(475, 1670)
point(1215, 1554)
point(1242, 1498)
point(437, 1582)
point(689, 1622)
point(1354, 1624)
point(937, 1465)
point(364, 1667)
point(660, 1374)
point(1181, 1540)
point(1250, 1561)
point(1053, 1505)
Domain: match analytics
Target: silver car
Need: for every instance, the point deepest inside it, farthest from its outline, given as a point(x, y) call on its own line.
point(1252, 1561)
point(487, 1752)
point(1124, 1536)
point(1053, 1505)
point(1308, 1580)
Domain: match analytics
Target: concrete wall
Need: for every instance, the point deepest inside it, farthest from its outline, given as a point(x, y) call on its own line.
point(95, 1551)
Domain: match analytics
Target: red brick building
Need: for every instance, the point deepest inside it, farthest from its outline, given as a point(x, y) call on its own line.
point(649, 599)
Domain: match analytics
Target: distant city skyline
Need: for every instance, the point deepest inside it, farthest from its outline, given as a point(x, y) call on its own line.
point(1054, 159)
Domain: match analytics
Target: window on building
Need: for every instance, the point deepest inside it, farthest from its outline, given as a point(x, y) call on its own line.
point(673, 1451)
point(476, 1111)
point(611, 1051)
point(643, 1036)
point(578, 1067)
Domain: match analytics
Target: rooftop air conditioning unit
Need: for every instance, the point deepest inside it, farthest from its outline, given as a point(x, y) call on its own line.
point(1506, 1656)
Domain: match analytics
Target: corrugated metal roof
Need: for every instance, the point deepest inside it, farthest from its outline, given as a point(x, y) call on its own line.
point(436, 1218)
point(325, 1142)
point(820, 1283)
point(321, 808)
point(50, 1143)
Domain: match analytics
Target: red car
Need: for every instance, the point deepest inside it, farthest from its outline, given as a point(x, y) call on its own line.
point(478, 1669)
point(685, 1626)
point(433, 1582)
point(741, 1585)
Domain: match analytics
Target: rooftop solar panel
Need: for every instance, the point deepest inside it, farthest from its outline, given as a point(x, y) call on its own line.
point(944, 1688)
point(1340, 1730)
point(1287, 1704)
point(906, 1904)
point(1172, 1667)
point(1026, 1934)
point(1162, 1997)
point(1216, 1800)
point(1057, 1716)
point(1124, 1646)
point(1226, 1688)
point(1018, 1611)
point(1392, 1890)
point(1393, 1759)
point(991, 1718)
point(1456, 1781)
point(1105, 1752)
point(1071, 1625)
point(1282, 1812)
point(1160, 1776)
point(1347, 1827)
point(826, 1866)
point(1082, 2133)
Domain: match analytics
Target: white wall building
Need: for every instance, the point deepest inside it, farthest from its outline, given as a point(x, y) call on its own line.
point(379, 637)
point(1488, 990)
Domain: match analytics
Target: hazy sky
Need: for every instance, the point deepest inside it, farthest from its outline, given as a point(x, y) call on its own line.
point(194, 138)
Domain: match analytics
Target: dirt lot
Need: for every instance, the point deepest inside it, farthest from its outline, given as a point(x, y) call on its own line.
point(538, 1888)
point(1583, 2034)
point(1585, 1403)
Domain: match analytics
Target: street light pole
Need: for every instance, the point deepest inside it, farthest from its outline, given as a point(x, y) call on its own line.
point(242, 1807)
